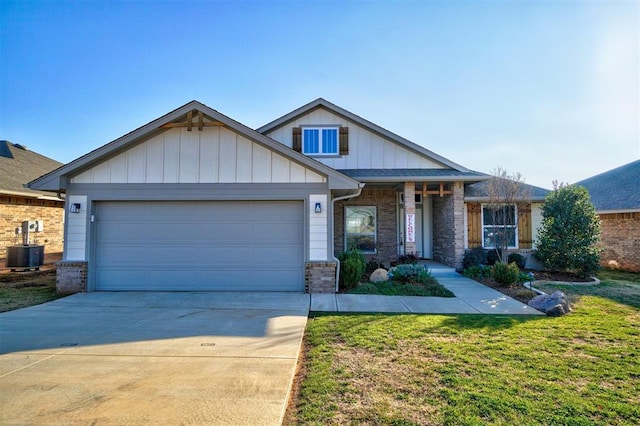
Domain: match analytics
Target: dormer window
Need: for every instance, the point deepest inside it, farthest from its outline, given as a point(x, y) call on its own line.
point(320, 140)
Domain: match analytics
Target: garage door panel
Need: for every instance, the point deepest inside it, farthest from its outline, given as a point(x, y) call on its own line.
point(233, 246)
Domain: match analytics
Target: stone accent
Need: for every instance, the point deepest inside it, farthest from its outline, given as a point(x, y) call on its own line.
point(379, 275)
point(554, 305)
point(621, 241)
point(320, 277)
point(71, 277)
point(14, 210)
point(448, 227)
point(409, 208)
point(385, 202)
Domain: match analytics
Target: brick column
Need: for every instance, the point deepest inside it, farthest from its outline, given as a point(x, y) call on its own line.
point(448, 227)
point(458, 223)
point(320, 277)
point(409, 208)
point(71, 277)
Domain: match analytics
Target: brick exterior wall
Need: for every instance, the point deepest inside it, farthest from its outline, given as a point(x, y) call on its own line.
point(71, 277)
point(621, 241)
point(387, 222)
point(320, 277)
point(448, 227)
point(15, 210)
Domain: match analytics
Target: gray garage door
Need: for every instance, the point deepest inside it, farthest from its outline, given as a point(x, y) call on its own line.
point(205, 246)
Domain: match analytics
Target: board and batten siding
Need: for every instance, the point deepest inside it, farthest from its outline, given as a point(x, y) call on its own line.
point(214, 155)
point(75, 240)
point(367, 150)
point(318, 228)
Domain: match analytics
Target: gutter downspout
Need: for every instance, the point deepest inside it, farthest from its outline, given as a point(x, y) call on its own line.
point(333, 247)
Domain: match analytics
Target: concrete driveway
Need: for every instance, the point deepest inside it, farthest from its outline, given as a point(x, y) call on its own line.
point(151, 358)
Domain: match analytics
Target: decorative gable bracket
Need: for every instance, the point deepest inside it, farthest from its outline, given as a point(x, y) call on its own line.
point(194, 118)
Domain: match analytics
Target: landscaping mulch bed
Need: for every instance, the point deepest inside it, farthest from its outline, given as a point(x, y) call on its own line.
point(515, 291)
point(519, 292)
point(559, 276)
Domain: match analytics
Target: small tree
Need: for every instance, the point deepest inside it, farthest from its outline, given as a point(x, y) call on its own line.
point(570, 231)
point(509, 198)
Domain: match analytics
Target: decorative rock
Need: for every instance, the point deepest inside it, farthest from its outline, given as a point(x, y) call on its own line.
point(379, 275)
point(554, 305)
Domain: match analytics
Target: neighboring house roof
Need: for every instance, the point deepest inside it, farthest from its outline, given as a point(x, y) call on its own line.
point(57, 180)
point(18, 166)
point(616, 190)
point(479, 192)
point(390, 175)
point(323, 103)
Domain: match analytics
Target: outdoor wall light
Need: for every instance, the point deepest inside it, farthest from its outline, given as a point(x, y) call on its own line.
point(318, 208)
point(74, 208)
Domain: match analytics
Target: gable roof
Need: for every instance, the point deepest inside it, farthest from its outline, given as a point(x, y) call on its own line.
point(479, 191)
point(616, 190)
point(18, 165)
point(323, 103)
point(58, 179)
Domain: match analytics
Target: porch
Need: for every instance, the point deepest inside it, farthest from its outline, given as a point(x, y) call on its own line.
point(389, 220)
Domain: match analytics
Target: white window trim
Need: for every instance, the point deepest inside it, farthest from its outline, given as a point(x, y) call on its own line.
point(320, 145)
point(483, 226)
point(375, 229)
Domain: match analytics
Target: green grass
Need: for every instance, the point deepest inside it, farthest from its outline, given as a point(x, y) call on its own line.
point(619, 286)
point(21, 291)
point(392, 288)
point(580, 369)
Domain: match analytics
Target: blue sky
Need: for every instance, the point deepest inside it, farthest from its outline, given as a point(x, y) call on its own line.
point(550, 89)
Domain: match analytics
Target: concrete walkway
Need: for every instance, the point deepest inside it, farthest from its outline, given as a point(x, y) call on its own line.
point(471, 298)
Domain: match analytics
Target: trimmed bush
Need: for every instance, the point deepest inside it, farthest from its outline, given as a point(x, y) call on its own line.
point(568, 239)
point(492, 257)
point(352, 267)
point(411, 274)
point(474, 257)
point(407, 259)
point(517, 258)
point(477, 272)
point(372, 265)
point(505, 274)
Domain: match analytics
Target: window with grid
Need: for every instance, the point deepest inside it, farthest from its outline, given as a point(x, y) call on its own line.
point(320, 140)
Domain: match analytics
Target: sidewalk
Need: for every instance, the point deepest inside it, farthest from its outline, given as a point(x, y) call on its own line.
point(471, 298)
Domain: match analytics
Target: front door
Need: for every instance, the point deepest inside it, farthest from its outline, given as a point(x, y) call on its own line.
point(423, 227)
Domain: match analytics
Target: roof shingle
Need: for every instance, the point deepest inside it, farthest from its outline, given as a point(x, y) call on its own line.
point(19, 166)
point(617, 189)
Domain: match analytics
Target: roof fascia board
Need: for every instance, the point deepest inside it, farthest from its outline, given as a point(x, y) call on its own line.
point(320, 102)
point(31, 195)
point(380, 179)
point(46, 181)
point(636, 210)
point(486, 199)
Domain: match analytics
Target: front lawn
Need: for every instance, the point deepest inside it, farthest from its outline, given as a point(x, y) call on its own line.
point(20, 290)
point(580, 369)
